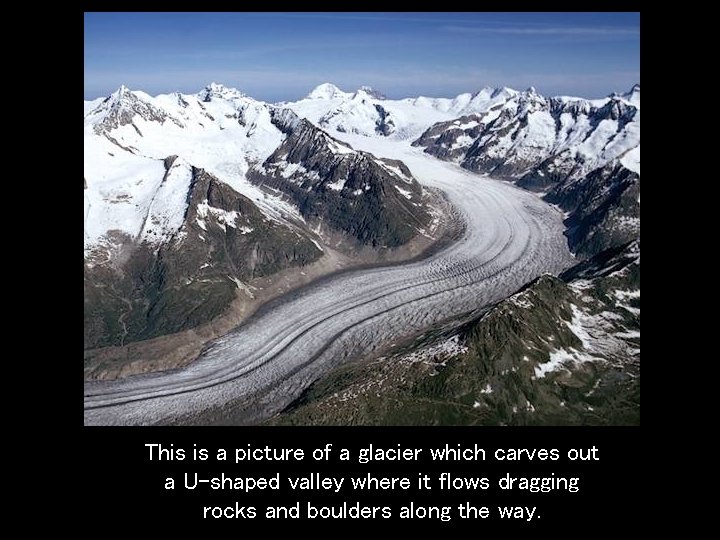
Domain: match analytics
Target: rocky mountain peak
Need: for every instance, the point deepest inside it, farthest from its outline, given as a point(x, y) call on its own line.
point(284, 119)
point(503, 91)
point(633, 96)
point(491, 92)
point(529, 101)
point(326, 91)
point(217, 90)
point(121, 107)
point(616, 109)
point(370, 91)
point(351, 192)
point(122, 95)
point(485, 92)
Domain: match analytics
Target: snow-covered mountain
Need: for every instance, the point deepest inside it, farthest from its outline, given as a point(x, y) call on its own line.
point(168, 244)
point(376, 201)
point(163, 281)
point(583, 154)
point(129, 134)
point(173, 228)
point(561, 135)
point(560, 351)
point(192, 196)
point(367, 112)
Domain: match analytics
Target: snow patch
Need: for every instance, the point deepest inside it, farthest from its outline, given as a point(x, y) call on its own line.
point(462, 141)
point(222, 217)
point(631, 160)
point(577, 328)
point(242, 286)
point(166, 211)
point(626, 295)
point(337, 148)
point(632, 334)
point(338, 185)
point(558, 361)
point(446, 349)
point(317, 245)
point(405, 193)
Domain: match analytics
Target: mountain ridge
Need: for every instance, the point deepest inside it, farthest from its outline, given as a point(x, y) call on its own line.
point(193, 200)
point(153, 249)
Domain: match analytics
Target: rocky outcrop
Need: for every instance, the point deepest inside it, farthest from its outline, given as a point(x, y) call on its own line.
point(370, 200)
point(122, 107)
point(385, 125)
point(585, 156)
point(603, 208)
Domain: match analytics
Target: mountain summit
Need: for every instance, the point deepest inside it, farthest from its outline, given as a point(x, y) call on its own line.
point(175, 232)
point(370, 91)
point(327, 91)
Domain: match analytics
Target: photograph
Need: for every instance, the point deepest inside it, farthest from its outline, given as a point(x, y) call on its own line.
point(361, 219)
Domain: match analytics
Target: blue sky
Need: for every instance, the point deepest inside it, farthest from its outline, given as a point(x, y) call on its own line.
point(276, 56)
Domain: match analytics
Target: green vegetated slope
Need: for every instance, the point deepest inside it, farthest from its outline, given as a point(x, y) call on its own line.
point(155, 290)
point(561, 351)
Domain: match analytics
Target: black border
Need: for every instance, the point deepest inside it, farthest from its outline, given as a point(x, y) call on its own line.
point(120, 487)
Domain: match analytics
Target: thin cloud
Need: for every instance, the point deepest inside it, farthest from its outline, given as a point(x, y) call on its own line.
point(330, 43)
point(417, 17)
point(399, 17)
point(234, 54)
point(547, 31)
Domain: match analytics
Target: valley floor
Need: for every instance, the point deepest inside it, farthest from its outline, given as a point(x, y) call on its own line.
point(177, 350)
